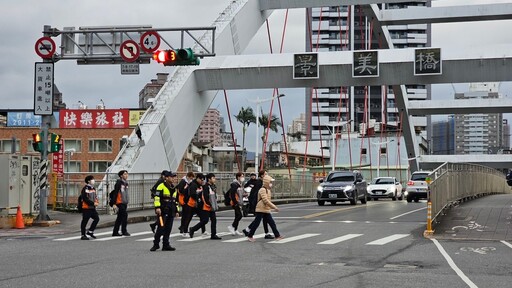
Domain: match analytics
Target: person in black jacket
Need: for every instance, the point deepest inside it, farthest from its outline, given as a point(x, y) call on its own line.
point(195, 187)
point(207, 205)
point(235, 194)
point(253, 196)
point(153, 192)
point(121, 200)
point(89, 203)
point(183, 199)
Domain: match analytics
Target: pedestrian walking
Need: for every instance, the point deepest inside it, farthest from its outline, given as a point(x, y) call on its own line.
point(256, 185)
point(235, 194)
point(153, 192)
point(121, 204)
point(207, 205)
point(89, 203)
point(195, 187)
point(183, 197)
point(166, 208)
point(263, 209)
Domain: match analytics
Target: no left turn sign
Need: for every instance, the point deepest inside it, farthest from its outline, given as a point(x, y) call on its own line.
point(129, 51)
point(150, 41)
point(45, 47)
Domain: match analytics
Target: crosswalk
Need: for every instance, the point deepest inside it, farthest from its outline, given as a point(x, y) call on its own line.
point(227, 238)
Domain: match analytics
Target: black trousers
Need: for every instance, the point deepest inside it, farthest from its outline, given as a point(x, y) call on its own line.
point(265, 225)
point(165, 230)
point(205, 216)
point(122, 219)
point(86, 215)
point(257, 222)
point(238, 216)
point(187, 217)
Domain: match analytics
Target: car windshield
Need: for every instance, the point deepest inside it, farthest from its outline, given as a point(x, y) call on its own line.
point(384, 181)
point(419, 177)
point(341, 178)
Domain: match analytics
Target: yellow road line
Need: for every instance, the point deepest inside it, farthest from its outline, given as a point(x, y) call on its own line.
point(335, 211)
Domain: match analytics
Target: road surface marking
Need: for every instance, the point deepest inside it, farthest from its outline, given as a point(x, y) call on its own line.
point(201, 237)
point(506, 243)
point(294, 238)
point(243, 239)
point(392, 218)
point(78, 237)
point(331, 211)
point(340, 239)
point(153, 238)
point(117, 237)
point(388, 239)
point(453, 265)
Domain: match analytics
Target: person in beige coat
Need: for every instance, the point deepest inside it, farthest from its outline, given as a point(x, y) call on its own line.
point(263, 208)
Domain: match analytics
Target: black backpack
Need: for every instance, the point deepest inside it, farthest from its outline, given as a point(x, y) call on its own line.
point(112, 198)
point(79, 203)
point(227, 198)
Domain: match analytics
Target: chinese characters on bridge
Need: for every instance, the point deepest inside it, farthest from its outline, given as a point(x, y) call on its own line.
point(105, 118)
point(428, 61)
point(365, 64)
point(305, 66)
point(43, 88)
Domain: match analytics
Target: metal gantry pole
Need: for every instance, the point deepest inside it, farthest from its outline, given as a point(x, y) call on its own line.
point(43, 183)
point(257, 132)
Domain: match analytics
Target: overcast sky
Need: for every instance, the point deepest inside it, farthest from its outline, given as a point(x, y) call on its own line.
point(22, 24)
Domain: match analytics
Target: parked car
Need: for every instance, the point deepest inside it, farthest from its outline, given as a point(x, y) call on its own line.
point(385, 187)
point(417, 188)
point(342, 186)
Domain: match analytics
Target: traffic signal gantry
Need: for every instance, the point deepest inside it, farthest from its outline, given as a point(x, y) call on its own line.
point(37, 142)
point(180, 57)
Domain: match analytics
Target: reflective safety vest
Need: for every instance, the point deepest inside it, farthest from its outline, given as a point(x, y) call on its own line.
point(164, 193)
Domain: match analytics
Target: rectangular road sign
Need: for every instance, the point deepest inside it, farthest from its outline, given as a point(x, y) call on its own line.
point(129, 68)
point(43, 88)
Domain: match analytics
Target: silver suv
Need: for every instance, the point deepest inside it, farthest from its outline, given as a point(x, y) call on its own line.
point(417, 188)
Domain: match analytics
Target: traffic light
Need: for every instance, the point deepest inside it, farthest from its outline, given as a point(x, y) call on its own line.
point(37, 144)
point(181, 57)
point(55, 143)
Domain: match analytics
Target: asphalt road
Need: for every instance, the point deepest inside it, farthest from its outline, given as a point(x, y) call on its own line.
point(379, 244)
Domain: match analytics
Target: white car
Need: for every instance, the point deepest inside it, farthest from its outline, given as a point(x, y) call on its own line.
point(385, 187)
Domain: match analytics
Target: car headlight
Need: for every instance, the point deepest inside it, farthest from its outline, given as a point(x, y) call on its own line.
point(348, 188)
point(320, 188)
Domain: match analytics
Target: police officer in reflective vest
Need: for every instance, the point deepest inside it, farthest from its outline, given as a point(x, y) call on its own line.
point(166, 208)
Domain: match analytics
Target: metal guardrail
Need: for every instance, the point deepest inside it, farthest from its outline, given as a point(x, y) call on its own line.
point(139, 186)
point(456, 182)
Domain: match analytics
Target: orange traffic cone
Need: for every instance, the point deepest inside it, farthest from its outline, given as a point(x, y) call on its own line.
point(19, 219)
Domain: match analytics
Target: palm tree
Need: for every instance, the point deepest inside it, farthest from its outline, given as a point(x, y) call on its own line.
point(246, 117)
point(274, 124)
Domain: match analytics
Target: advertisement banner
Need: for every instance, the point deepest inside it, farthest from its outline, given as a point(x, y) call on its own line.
point(23, 119)
point(135, 116)
point(94, 118)
point(58, 160)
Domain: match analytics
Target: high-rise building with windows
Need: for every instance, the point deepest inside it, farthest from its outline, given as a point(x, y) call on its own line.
point(345, 28)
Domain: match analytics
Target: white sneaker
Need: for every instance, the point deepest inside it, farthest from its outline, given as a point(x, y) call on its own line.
point(206, 233)
point(239, 233)
point(231, 230)
point(185, 235)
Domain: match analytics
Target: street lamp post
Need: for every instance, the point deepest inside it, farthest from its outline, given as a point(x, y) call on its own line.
point(379, 144)
point(333, 134)
point(258, 101)
point(68, 153)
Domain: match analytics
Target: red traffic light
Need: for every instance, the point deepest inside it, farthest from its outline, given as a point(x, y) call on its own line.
point(165, 56)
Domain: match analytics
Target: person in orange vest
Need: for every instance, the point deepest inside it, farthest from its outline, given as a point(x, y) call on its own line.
point(121, 204)
point(183, 199)
point(235, 194)
point(195, 187)
point(89, 203)
point(207, 205)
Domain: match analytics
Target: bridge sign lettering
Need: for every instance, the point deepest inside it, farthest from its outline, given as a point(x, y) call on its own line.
point(305, 66)
point(428, 61)
point(365, 64)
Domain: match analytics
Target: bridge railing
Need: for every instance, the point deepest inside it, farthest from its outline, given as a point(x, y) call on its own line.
point(139, 185)
point(456, 182)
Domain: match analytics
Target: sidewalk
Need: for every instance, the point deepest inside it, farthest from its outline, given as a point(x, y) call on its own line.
point(70, 222)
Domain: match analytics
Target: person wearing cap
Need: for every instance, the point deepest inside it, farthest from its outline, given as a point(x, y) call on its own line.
point(89, 203)
point(263, 209)
point(121, 204)
point(153, 191)
point(166, 208)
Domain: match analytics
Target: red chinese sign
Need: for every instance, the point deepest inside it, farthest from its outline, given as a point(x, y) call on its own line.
point(58, 160)
point(100, 118)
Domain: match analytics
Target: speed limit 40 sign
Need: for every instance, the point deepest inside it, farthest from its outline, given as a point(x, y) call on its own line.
point(150, 41)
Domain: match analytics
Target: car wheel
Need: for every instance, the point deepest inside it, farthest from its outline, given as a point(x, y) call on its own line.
point(394, 196)
point(321, 203)
point(363, 200)
point(409, 199)
point(416, 200)
point(333, 202)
